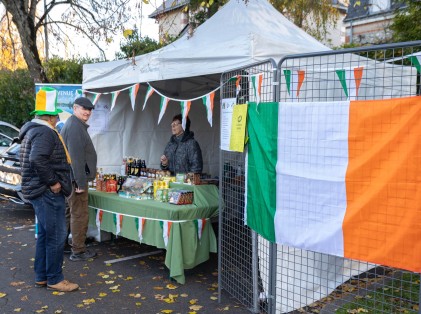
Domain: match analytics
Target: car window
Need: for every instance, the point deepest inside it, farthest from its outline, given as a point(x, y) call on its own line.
point(5, 140)
point(8, 129)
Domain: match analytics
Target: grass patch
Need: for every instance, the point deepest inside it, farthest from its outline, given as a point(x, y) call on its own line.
point(398, 294)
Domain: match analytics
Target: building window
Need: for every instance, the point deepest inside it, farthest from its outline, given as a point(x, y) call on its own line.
point(379, 5)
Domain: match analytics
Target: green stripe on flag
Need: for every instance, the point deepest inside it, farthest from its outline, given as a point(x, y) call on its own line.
point(415, 60)
point(262, 127)
point(342, 78)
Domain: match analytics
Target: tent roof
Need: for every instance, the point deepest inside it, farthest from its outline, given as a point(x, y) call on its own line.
point(239, 34)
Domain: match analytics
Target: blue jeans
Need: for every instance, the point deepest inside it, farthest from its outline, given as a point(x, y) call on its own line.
point(50, 210)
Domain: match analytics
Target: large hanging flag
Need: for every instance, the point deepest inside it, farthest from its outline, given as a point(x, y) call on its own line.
point(98, 220)
point(256, 81)
point(351, 81)
point(339, 178)
point(149, 93)
point(140, 225)
point(163, 107)
point(416, 61)
point(118, 221)
point(133, 93)
point(208, 102)
point(185, 108)
point(114, 96)
point(166, 230)
point(294, 80)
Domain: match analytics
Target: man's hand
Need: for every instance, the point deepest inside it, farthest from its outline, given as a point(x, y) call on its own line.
point(56, 188)
point(77, 190)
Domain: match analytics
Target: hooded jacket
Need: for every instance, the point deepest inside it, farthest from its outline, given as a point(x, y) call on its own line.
point(43, 160)
point(184, 154)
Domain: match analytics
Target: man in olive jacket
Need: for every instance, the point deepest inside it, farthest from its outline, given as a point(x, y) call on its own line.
point(84, 161)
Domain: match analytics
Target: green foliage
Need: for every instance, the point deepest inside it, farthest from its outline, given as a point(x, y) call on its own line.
point(59, 70)
point(16, 96)
point(17, 88)
point(134, 45)
point(406, 23)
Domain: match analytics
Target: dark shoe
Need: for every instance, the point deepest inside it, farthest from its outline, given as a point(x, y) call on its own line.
point(41, 284)
point(67, 249)
point(64, 286)
point(82, 256)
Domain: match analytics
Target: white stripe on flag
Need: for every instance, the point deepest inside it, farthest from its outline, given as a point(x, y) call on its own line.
point(310, 175)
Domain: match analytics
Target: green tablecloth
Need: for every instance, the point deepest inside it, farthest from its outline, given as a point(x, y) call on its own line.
point(191, 237)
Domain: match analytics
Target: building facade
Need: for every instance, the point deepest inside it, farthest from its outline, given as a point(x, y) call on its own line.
point(369, 21)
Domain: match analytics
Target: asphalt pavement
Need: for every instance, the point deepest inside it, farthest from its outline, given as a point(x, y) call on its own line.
point(131, 285)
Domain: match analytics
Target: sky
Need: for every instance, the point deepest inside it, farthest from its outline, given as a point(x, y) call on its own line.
point(147, 27)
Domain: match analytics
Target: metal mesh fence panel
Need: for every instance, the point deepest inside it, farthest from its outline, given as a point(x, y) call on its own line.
point(271, 278)
point(310, 282)
point(240, 272)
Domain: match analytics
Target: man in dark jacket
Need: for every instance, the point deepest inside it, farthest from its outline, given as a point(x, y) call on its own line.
point(84, 158)
point(45, 183)
point(182, 154)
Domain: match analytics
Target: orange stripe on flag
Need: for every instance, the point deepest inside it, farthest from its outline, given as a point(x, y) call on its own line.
point(358, 75)
point(383, 183)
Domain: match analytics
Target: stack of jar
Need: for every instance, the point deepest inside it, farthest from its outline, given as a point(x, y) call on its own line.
point(110, 183)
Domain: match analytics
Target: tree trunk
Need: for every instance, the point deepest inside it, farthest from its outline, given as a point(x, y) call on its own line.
point(25, 25)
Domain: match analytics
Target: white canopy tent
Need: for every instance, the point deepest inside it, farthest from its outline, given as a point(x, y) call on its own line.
point(238, 35)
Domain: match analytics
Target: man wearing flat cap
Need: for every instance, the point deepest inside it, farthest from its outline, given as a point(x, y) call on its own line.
point(84, 160)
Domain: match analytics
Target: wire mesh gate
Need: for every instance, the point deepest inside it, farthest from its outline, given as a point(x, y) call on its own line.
point(271, 278)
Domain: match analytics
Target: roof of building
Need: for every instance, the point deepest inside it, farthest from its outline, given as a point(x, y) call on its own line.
point(359, 9)
point(167, 6)
point(170, 5)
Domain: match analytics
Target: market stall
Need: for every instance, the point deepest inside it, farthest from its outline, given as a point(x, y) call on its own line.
point(184, 231)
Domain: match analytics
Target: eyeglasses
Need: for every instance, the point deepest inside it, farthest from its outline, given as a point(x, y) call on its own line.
point(83, 108)
point(175, 124)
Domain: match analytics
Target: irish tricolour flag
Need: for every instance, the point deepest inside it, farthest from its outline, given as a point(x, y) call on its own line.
point(342, 178)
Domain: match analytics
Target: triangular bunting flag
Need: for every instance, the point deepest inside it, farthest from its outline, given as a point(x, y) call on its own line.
point(78, 93)
point(94, 97)
point(237, 85)
point(98, 220)
point(200, 224)
point(294, 80)
point(140, 225)
point(166, 230)
point(114, 96)
point(350, 80)
point(149, 93)
point(416, 61)
point(133, 93)
point(185, 108)
point(208, 102)
point(118, 221)
point(163, 107)
point(257, 81)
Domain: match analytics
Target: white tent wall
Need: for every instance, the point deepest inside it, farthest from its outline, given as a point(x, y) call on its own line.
point(138, 134)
